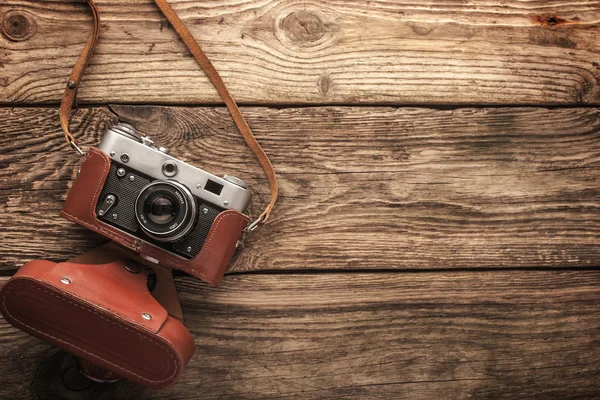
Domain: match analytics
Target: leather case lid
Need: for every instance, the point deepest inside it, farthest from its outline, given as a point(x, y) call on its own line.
point(115, 290)
point(98, 317)
point(210, 263)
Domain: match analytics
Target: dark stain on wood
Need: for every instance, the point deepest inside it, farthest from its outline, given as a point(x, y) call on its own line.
point(551, 38)
point(165, 25)
point(553, 20)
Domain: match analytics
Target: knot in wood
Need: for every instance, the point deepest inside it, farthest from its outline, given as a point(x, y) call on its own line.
point(324, 84)
point(553, 20)
point(303, 27)
point(17, 27)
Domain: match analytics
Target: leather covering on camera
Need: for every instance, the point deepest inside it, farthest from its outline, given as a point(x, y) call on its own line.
point(209, 264)
point(103, 314)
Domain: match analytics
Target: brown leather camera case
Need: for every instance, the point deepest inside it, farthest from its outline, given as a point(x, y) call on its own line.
point(210, 263)
point(101, 313)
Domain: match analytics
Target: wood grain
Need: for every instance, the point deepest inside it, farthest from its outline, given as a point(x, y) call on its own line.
point(315, 52)
point(361, 188)
point(481, 335)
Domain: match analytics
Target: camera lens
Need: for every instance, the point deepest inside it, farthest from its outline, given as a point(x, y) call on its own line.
point(165, 210)
point(161, 210)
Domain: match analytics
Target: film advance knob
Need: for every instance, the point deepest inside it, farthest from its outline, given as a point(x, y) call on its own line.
point(126, 130)
point(236, 181)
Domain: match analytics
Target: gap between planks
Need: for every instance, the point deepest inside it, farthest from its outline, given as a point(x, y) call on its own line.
point(176, 273)
point(283, 106)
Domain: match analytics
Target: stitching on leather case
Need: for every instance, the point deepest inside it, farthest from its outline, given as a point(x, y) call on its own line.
point(99, 182)
point(101, 229)
point(203, 251)
point(178, 367)
point(122, 315)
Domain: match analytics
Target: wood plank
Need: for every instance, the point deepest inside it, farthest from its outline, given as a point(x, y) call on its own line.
point(293, 51)
point(361, 188)
point(483, 335)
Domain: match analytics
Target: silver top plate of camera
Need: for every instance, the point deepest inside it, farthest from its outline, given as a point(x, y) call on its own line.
point(123, 145)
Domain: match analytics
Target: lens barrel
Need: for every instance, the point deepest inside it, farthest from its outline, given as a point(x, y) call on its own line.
point(165, 210)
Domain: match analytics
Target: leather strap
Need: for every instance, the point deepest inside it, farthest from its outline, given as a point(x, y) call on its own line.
point(70, 95)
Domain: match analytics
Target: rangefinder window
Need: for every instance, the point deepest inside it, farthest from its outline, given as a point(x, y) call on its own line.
point(213, 187)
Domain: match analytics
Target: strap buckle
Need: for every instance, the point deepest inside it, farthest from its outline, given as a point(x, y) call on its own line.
point(252, 227)
point(74, 146)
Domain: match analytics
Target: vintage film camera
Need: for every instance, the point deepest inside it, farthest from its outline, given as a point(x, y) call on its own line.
point(160, 199)
point(165, 210)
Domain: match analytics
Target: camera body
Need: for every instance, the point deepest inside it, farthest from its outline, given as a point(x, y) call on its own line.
point(161, 199)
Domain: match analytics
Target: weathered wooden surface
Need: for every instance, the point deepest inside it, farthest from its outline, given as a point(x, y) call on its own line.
point(292, 51)
point(361, 188)
point(496, 335)
point(367, 193)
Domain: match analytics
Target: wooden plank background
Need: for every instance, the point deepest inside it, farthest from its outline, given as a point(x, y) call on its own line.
point(299, 52)
point(497, 335)
point(437, 231)
point(361, 188)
